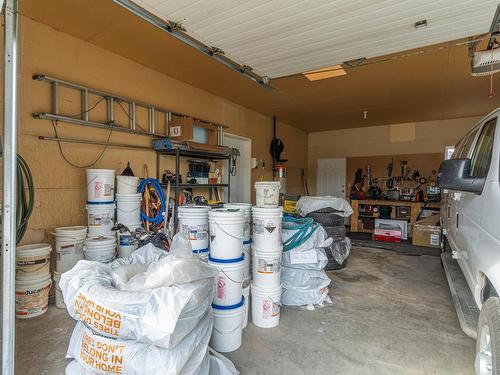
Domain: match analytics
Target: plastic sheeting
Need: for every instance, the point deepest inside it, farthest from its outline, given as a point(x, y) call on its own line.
point(340, 250)
point(304, 287)
point(147, 296)
point(310, 204)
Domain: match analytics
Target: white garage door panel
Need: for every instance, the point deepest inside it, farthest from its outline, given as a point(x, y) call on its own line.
point(284, 37)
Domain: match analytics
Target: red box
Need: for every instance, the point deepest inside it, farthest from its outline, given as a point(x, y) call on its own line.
point(387, 235)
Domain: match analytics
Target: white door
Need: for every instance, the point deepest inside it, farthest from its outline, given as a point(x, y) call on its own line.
point(331, 175)
point(241, 180)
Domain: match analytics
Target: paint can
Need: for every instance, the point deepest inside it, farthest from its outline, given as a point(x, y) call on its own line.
point(228, 327)
point(59, 296)
point(266, 306)
point(33, 261)
point(193, 223)
point(267, 268)
point(226, 233)
point(100, 218)
point(100, 185)
point(126, 184)
point(267, 228)
point(128, 208)
point(228, 283)
point(70, 242)
point(32, 296)
point(267, 193)
point(100, 249)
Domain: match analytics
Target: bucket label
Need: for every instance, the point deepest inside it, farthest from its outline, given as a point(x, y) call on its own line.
point(126, 240)
point(76, 248)
point(100, 219)
point(267, 307)
point(276, 309)
point(268, 266)
point(258, 226)
point(195, 232)
point(221, 287)
point(30, 302)
point(33, 262)
point(270, 227)
point(98, 317)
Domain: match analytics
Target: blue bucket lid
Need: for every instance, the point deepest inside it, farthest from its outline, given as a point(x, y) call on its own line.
point(234, 260)
point(111, 202)
point(232, 307)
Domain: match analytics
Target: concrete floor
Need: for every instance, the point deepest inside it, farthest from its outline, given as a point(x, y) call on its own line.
point(392, 314)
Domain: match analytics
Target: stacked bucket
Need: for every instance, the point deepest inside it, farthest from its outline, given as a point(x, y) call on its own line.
point(33, 280)
point(128, 212)
point(100, 245)
point(193, 223)
point(226, 254)
point(267, 249)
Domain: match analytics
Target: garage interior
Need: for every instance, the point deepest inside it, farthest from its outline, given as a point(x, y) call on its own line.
point(348, 108)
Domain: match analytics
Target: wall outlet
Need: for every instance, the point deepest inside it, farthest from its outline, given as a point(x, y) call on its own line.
point(254, 163)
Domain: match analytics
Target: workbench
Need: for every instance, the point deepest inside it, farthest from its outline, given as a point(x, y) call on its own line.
point(415, 208)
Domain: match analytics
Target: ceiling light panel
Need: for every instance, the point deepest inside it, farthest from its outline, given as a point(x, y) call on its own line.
point(283, 37)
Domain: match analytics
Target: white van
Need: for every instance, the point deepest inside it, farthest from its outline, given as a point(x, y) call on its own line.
point(470, 214)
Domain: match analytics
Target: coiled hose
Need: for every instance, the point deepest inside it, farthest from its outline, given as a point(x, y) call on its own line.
point(304, 228)
point(25, 197)
point(153, 206)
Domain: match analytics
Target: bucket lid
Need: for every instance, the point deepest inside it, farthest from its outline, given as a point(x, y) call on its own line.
point(33, 249)
point(101, 205)
point(70, 230)
point(230, 307)
point(193, 208)
point(226, 213)
point(241, 206)
point(268, 210)
point(134, 196)
point(110, 171)
point(267, 183)
point(226, 261)
point(100, 241)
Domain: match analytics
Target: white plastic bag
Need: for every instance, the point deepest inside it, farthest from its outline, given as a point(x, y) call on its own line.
point(102, 355)
point(288, 260)
point(340, 250)
point(304, 287)
point(159, 306)
point(310, 204)
point(319, 238)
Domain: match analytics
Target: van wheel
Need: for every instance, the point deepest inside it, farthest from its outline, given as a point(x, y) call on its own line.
point(488, 338)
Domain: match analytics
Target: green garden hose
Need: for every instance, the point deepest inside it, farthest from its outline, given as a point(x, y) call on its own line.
point(25, 197)
point(304, 227)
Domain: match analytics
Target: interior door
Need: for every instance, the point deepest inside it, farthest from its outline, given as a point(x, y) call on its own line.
point(240, 174)
point(331, 177)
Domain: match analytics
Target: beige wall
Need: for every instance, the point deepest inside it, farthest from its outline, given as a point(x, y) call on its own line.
point(60, 188)
point(415, 138)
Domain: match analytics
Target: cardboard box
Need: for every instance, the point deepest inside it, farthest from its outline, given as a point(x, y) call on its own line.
point(186, 128)
point(389, 224)
point(427, 232)
point(387, 235)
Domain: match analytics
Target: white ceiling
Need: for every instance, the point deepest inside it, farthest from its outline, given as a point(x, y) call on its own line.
point(283, 37)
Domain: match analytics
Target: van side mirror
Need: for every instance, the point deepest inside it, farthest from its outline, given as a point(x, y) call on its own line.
point(454, 174)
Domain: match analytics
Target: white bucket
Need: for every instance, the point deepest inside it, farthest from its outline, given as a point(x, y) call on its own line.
point(247, 271)
point(100, 219)
point(228, 283)
point(247, 217)
point(59, 296)
point(100, 249)
point(226, 233)
point(267, 268)
point(193, 222)
point(100, 185)
point(267, 193)
point(126, 184)
point(267, 228)
point(32, 296)
point(246, 296)
point(266, 306)
point(70, 242)
point(228, 326)
point(126, 243)
point(33, 261)
point(128, 208)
